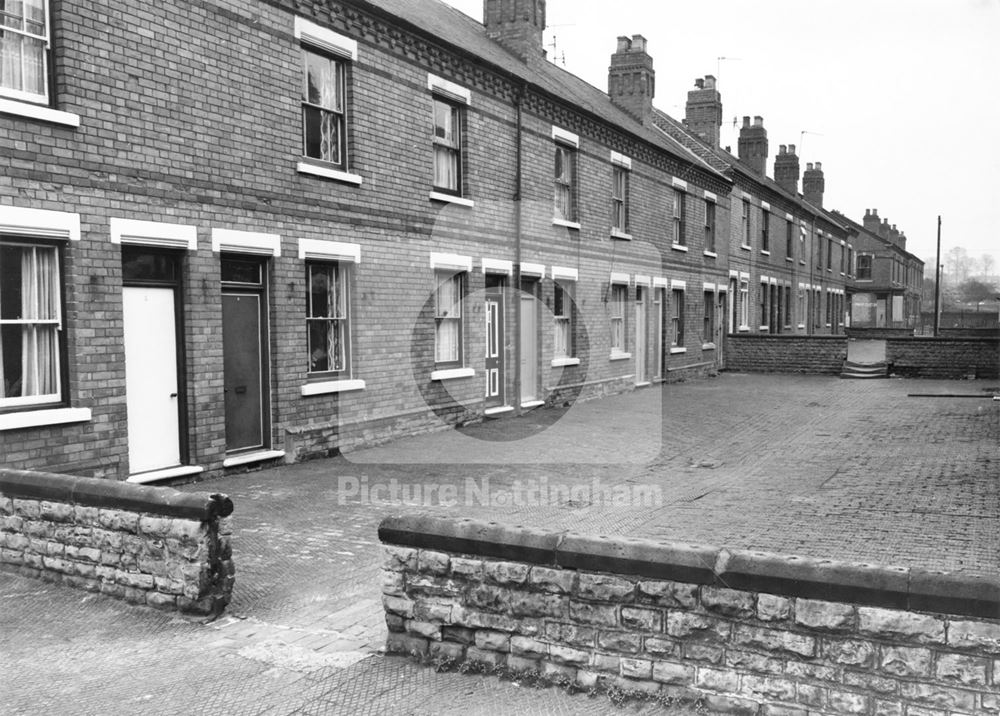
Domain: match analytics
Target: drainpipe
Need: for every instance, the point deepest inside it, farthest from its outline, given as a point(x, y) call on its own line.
point(937, 284)
point(518, 180)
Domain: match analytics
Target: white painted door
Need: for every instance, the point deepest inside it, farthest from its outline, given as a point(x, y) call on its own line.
point(641, 376)
point(529, 349)
point(151, 378)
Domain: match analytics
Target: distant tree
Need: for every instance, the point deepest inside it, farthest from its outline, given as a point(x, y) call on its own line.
point(958, 264)
point(986, 263)
point(976, 291)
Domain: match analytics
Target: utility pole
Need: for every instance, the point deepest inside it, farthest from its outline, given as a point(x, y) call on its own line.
point(937, 284)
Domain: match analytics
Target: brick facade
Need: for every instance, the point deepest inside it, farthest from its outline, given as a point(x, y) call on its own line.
point(186, 142)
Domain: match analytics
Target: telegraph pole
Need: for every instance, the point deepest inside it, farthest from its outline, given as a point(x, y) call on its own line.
point(937, 284)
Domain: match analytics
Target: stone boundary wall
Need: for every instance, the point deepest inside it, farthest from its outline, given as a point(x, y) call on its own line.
point(911, 356)
point(743, 632)
point(146, 545)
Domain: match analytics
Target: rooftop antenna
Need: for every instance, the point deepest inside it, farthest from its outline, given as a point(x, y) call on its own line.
point(558, 57)
point(718, 65)
point(802, 139)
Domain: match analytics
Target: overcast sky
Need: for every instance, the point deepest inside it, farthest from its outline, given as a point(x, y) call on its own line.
point(899, 99)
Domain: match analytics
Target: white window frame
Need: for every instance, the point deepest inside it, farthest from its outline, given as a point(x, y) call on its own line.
point(452, 316)
point(618, 319)
point(620, 190)
point(340, 320)
point(679, 217)
point(744, 303)
point(677, 328)
point(563, 350)
point(22, 95)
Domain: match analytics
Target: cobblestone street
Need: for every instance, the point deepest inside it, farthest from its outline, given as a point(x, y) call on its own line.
point(817, 466)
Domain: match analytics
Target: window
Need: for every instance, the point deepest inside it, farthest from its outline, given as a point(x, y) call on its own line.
point(447, 147)
point(619, 296)
point(765, 231)
point(801, 310)
point(565, 183)
point(327, 318)
point(323, 126)
point(850, 261)
point(764, 306)
point(448, 319)
point(746, 223)
point(708, 327)
point(789, 239)
point(30, 325)
point(744, 303)
point(819, 252)
point(843, 259)
point(829, 255)
point(620, 200)
point(24, 48)
point(562, 312)
point(788, 307)
point(677, 319)
point(680, 209)
point(710, 226)
point(864, 267)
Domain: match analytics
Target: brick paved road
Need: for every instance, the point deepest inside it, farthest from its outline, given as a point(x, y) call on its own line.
point(818, 466)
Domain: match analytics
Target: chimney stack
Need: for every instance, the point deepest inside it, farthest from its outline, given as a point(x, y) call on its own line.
point(883, 229)
point(872, 221)
point(703, 113)
point(517, 25)
point(631, 79)
point(813, 184)
point(752, 145)
point(786, 169)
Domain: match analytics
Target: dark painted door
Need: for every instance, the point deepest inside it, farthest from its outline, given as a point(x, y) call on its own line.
point(242, 365)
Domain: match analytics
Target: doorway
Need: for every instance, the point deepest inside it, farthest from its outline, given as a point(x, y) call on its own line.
point(495, 340)
point(154, 399)
point(245, 355)
point(641, 367)
point(529, 346)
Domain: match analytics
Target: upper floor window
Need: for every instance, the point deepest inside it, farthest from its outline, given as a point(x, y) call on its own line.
point(789, 239)
point(30, 324)
point(447, 147)
point(327, 317)
point(710, 226)
point(765, 231)
point(864, 267)
point(323, 124)
point(680, 211)
point(746, 223)
point(565, 183)
point(620, 199)
point(24, 49)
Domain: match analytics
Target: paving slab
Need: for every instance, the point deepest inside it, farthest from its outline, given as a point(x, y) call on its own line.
point(803, 464)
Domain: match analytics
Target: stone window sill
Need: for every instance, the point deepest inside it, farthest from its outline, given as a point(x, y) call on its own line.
point(453, 374)
point(39, 418)
point(563, 362)
point(34, 111)
point(452, 199)
point(328, 172)
point(252, 457)
point(331, 386)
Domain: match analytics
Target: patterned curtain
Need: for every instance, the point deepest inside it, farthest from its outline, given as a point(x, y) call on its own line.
point(39, 302)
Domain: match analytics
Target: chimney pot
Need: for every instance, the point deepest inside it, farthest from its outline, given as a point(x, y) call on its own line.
point(809, 166)
point(791, 149)
point(638, 43)
point(819, 166)
point(782, 149)
point(709, 81)
point(746, 121)
point(624, 43)
point(758, 121)
point(699, 83)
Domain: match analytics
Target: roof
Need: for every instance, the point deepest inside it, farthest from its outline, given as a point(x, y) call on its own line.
point(863, 232)
point(455, 28)
point(729, 164)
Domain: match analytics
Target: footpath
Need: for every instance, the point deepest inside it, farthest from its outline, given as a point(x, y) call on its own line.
point(817, 466)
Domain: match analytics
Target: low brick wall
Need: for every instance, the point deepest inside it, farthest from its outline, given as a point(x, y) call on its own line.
point(742, 632)
point(147, 545)
point(944, 357)
point(785, 354)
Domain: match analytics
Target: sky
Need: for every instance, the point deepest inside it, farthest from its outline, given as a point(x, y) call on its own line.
point(899, 99)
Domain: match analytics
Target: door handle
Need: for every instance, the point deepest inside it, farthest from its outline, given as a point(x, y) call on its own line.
point(173, 395)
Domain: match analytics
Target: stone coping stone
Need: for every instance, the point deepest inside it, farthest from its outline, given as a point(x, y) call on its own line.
point(914, 589)
point(111, 494)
